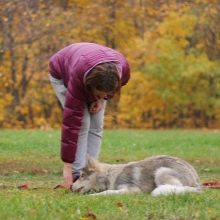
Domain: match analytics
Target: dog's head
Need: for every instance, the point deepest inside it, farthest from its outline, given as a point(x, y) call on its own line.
point(91, 179)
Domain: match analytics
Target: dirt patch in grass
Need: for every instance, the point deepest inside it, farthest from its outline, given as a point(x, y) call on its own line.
point(14, 167)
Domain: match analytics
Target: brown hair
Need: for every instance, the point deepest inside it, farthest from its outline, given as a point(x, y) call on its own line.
point(103, 77)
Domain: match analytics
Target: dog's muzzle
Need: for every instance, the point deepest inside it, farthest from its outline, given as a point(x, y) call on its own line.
point(78, 190)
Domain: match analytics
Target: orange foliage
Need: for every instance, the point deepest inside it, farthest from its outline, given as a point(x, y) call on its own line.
point(173, 48)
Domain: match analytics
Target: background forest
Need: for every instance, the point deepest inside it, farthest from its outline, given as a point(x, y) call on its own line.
point(173, 48)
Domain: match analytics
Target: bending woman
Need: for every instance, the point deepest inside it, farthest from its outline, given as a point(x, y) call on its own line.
point(84, 76)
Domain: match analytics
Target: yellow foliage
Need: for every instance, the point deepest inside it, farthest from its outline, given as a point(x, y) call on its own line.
point(179, 40)
point(137, 99)
point(177, 28)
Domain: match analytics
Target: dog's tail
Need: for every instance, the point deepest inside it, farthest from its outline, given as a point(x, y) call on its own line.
point(167, 189)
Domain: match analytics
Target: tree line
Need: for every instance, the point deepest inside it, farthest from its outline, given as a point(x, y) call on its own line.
point(173, 48)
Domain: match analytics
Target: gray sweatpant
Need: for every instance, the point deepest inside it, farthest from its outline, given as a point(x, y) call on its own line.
point(90, 135)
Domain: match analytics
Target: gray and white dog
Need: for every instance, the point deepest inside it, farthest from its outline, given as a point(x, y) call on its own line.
point(160, 175)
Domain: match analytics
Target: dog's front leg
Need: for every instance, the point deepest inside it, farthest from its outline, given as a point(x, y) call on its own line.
point(111, 192)
point(122, 190)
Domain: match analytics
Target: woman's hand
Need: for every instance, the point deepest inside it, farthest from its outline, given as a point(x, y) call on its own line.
point(96, 106)
point(67, 175)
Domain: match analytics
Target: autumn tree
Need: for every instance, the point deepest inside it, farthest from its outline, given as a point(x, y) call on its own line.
point(172, 47)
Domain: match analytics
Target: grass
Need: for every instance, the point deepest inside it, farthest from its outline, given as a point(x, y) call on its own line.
point(32, 157)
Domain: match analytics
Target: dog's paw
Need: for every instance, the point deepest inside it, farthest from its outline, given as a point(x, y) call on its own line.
point(164, 190)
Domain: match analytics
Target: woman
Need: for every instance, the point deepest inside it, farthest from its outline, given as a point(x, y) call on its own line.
point(84, 76)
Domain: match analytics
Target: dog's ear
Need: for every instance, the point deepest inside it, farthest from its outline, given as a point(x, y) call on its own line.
point(91, 164)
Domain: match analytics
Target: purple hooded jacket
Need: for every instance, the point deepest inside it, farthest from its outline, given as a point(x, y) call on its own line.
point(70, 64)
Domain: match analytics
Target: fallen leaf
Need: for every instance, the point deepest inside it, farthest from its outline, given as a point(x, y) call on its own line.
point(90, 215)
point(23, 186)
point(59, 186)
point(122, 207)
point(213, 184)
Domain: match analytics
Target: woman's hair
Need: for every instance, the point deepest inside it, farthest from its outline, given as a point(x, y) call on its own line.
point(103, 77)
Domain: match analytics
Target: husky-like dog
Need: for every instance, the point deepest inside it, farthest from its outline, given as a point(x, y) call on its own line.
point(160, 175)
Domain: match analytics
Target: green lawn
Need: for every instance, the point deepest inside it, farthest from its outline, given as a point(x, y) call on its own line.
point(32, 157)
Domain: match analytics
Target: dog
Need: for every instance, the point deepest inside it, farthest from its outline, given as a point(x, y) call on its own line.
point(158, 175)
